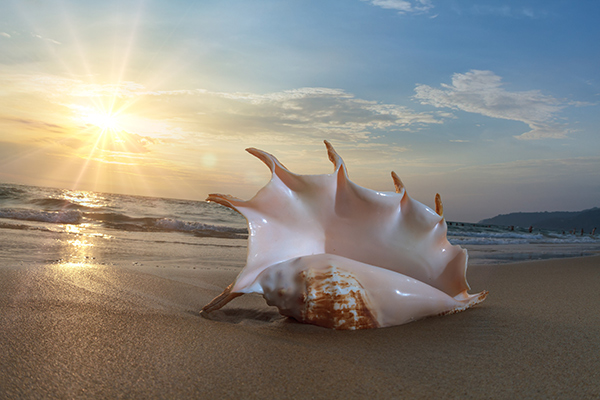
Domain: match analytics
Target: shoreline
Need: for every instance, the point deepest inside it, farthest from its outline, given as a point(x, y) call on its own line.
point(94, 330)
point(510, 253)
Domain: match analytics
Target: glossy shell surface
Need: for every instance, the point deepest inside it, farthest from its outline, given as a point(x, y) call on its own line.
point(332, 253)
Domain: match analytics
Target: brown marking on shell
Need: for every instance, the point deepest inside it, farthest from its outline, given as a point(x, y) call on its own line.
point(397, 182)
point(439, 207)
point(335, 299)
point(333, 155)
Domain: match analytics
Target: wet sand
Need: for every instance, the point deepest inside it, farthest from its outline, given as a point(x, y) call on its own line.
point(105, 331)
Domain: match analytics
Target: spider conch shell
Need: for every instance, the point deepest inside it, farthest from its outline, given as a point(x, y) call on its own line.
point(328, 252)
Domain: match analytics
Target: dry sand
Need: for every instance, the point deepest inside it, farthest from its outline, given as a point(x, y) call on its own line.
point(95, 331)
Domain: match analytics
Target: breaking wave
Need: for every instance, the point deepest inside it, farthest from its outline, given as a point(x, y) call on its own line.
point(55, 217)
point(126, 223)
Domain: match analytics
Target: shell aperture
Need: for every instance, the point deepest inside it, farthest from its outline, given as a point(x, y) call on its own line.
point(327, 251)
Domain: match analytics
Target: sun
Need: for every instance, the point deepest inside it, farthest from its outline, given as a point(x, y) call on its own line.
point(104, 129)
point(106, 121)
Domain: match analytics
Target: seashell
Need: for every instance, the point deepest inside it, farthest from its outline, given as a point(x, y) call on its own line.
point(326, 251)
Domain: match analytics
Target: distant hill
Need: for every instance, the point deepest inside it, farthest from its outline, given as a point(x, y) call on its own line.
point(558, 220)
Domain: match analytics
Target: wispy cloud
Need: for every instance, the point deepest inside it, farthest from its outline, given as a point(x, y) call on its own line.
point(300, 113)
point(45, 39)
point(506, 11)
point(494, 10)
point(481, 92)
point(4, 34)
point(320, 112)
point(34, 124)
point(125, 142)
point(403, 6)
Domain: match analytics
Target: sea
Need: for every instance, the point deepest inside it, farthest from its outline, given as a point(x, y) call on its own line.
point(42, 224)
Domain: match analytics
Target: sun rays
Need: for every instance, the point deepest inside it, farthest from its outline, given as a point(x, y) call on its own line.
point(110, 155)
point(102, 126)
point(91, 136)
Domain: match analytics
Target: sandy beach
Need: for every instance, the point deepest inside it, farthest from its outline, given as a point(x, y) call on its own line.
point(104, 331)
point(354, 161)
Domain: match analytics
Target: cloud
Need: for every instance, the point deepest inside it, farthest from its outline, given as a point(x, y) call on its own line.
point(310, 111)
point(34, 124)
point(506, 11)
point(481, 92)
point(56, 86)
point(403, 6)
point(125, 142)
point(4, 34)
point(45, 39)
point(320, 112)
point(198, 116)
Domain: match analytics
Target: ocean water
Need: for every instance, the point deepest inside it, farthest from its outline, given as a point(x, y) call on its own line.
point(62, 225)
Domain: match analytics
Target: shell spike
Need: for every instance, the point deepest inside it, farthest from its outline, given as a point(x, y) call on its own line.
point(333, 156)
point(220, 300)
point(277, 168)
point(270, 160)
point(397, 183)
point(439, 207)
point(225, 200)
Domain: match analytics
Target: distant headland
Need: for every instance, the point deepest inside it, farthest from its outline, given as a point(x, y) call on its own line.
point(557, 220)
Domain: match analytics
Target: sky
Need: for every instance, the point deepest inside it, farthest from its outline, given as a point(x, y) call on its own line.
point(492, 104)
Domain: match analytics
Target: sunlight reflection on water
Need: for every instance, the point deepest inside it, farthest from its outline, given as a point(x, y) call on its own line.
point(80, 248)
point(86, 199)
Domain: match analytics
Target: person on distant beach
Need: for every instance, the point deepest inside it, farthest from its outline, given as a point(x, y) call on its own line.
point(593, 231)
point(530, 229)
point(581, 231)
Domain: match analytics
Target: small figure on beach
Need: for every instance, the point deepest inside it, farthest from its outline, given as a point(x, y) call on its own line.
point(530, 228)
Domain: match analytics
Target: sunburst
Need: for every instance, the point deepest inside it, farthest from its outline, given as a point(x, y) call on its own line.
point(103, 120)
